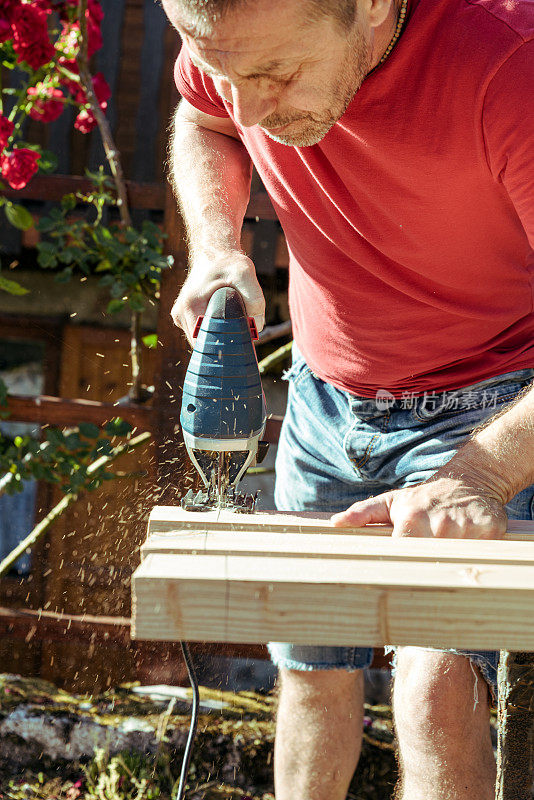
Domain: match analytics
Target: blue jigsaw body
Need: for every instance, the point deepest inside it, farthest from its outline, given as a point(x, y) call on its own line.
point(223, 404)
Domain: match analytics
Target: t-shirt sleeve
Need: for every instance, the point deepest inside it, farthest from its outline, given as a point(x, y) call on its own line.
point(197, 88)
point(508, 122)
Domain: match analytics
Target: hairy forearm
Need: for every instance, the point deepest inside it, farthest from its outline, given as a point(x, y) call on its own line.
point(500, 455)
point(210, 173)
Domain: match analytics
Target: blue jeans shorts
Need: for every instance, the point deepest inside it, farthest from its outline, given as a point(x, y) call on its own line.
point(337, 448)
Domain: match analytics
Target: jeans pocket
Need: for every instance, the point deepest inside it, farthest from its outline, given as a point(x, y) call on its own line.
point(486, 397)
point(298, 370)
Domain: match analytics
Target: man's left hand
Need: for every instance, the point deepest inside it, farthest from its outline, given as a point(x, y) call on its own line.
point(444, 507)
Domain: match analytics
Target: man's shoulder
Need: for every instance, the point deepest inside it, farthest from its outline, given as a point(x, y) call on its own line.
point(516, 16)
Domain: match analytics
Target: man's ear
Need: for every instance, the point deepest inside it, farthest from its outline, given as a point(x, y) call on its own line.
point(377, 11)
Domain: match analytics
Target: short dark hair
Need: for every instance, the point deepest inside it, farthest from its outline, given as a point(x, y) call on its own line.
point(206, 12)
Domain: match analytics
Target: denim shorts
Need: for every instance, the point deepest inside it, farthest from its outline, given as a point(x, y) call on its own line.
point(336, 448)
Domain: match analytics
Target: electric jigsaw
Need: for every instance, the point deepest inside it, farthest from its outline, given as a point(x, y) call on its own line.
point(223, 411)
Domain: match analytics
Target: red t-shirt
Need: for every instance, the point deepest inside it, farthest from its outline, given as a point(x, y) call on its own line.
point(410, 226)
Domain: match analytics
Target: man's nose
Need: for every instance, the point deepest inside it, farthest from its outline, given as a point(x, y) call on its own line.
point(251, 105)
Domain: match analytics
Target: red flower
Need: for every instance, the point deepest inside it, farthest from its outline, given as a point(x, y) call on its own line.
point(19, 166)
point(94, 15)
point(6, 129)
point(86, 120)
point(94, 36)
point(95, 11)
point(102, 90)
point(30, 36)
point(48, 104)
point(8, 8)
point(6, 31)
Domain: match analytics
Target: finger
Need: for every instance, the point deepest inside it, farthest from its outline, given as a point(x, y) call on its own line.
point(253, 299)
point(183, 323)
point(260, 322)
point(365, 512)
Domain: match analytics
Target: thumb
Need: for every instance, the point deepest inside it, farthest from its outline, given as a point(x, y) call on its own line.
point(254, 300)
point(365, 512)
point(260, 323)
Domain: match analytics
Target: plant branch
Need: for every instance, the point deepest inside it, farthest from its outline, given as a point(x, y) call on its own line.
point(6, 479)
point(272, 359)
point(112, 154)
point(65, 502)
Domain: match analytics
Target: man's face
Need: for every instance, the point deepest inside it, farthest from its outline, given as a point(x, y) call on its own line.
point(292, 76)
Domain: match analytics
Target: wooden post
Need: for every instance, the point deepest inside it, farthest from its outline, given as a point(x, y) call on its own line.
point(515, 756)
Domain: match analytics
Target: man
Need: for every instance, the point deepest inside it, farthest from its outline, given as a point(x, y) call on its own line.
point(396, 144)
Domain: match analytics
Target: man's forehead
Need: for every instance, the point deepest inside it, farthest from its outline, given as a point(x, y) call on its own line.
point(255, 26)
point(253, 48)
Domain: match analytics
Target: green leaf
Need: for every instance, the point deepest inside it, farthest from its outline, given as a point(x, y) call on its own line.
point(64, 276)
point(55, 436)
point(48, 162)
point(47, 255)
point(103, 447)
point(114, 306)
point(18, 216)
point(12, 287)
point(136, 303)
point(73, 441)
point(118, 427)
point(68, 202)
point(117, 289)
point(89, 430)
point(151, 340)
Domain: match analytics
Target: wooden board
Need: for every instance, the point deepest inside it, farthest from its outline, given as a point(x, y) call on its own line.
point(221, 576)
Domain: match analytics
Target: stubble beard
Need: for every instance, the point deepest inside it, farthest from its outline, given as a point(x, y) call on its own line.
point(310, 129)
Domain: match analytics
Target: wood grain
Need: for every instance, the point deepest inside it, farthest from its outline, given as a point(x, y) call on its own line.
point(267, 576)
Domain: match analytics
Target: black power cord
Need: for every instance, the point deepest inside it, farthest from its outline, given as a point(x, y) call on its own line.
point(194, 721)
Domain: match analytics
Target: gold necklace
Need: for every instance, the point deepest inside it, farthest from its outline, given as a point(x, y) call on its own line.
point(398, 30)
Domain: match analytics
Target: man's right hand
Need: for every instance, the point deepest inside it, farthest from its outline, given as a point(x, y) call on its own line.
point(209, 272)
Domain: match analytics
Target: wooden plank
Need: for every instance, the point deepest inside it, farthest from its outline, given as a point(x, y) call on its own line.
point(39, 625)
point(165, 519)
point(62, 412)
point(53, 187)
point(263, 577)
point(140, 195)
point(147, 122)
point(260, 207)
point(352, 545)
point(241, 600)
point(264, 246)
point(101, 532)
